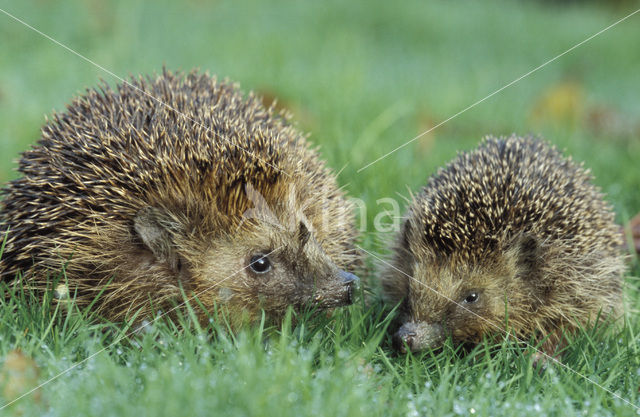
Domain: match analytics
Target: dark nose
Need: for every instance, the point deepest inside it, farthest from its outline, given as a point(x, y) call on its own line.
point(350, 281)
point(348, 277)
point(403, 340)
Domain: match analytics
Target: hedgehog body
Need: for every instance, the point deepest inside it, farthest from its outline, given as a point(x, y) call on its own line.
point(513, 235)
point(177, 185)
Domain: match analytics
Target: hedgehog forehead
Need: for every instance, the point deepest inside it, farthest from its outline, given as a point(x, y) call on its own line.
point(433, 275)
point(432, 290)
point(275, 228)
point(279, 205)
point(444, 272)
point(435, 286)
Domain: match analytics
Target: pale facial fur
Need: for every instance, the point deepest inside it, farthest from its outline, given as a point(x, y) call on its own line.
point(270, 268)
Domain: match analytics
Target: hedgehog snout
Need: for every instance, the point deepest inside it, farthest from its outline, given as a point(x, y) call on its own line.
point(418, 336)
point(350, 281)
point(339, 292)
point(348, 278)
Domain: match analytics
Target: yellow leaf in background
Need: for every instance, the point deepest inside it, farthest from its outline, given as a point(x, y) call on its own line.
point(19, 375)
point(560, 104)
point(425, 124)
point(285, 107)
point(269, 98)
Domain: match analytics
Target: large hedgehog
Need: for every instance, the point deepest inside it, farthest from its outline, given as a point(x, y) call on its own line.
point(178, 184)
point(511, 235)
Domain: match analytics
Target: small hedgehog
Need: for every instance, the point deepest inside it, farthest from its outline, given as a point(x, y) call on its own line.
point(511, 235)
point(179, 184)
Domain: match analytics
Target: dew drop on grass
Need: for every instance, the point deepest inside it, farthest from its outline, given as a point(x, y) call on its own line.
point(413, 411)
point(458, 409)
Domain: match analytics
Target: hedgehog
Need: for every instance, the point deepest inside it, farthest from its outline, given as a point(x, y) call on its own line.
point(511, 236)
point(179, 185)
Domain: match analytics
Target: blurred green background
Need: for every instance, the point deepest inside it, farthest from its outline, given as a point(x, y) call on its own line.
point(363, 77)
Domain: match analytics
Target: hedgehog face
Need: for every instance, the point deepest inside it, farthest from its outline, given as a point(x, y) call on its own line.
point(270, 268)
point(461, 300)
point(446, 300)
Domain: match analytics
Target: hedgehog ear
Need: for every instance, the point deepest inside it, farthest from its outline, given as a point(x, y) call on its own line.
point(303, 234)
point(527, 250)
point(153, 231)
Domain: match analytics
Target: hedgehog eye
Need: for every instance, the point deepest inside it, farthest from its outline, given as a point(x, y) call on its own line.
point(260, 264)
point(471, 298)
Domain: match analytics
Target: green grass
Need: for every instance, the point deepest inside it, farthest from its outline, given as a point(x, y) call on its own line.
point(338, 366)
point(363, 78)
